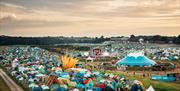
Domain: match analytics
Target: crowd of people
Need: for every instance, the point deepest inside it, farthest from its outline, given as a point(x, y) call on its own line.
point(40, 70)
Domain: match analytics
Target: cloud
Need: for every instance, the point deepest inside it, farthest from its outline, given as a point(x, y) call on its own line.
point(7, 7)
point(97, 8)
point(130, 8)
point(7, 17)
point(3, 4)
point(83, 16)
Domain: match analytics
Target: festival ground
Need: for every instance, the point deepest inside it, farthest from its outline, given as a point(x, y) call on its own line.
point(20, 62)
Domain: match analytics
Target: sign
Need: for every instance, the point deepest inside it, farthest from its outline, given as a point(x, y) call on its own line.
point(97, 52)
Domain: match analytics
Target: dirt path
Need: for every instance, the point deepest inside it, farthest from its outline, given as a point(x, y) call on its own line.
point(11, 84)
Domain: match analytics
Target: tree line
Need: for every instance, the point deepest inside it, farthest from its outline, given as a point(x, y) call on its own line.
point(9, 40)
point(157, 39)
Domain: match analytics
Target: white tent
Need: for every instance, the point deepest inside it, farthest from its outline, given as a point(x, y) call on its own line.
point(90, 59)
point(150, 89)
point(105, 54)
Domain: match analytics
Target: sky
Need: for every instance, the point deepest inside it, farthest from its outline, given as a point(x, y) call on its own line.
point(89, 17)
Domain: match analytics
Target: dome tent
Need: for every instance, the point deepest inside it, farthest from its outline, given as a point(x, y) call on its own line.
point(90, 59)
point(136, 59)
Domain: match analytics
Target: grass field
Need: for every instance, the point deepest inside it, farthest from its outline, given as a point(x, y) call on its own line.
point(3, 85)
point(157, 85)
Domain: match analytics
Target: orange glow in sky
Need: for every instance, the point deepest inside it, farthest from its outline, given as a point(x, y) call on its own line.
point(89, 17)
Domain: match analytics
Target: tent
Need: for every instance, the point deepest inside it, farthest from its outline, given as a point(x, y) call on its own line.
point(105, 54)
point(136, 59)
point(150, 89)
point(90, 59)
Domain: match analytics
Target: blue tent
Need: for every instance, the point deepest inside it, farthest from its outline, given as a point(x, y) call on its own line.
point(136, 60)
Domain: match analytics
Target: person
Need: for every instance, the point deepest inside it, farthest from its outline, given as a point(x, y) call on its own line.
point(134, 73)
point(144, 75)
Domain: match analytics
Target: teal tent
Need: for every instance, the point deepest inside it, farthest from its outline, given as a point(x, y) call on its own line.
point(136, 59)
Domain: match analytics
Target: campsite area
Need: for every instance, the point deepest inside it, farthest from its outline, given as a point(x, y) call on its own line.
point(92, 67)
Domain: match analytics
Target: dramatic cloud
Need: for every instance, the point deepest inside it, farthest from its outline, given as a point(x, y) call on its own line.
point(7, 17)
point(89, 17)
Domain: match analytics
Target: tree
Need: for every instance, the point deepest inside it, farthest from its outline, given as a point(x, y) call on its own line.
point(177, 40)
point(132, 36)
point(102, 37)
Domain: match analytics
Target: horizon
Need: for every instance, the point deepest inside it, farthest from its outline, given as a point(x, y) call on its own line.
point(89, 18)
point(91, 36)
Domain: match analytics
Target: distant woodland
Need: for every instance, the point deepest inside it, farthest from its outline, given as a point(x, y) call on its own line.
point(10, 40)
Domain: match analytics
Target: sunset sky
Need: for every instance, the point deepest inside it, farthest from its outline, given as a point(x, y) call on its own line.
point(89, 17)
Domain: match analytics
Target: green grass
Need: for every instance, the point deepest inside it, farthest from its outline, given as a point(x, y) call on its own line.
point(14, 79)
point(157, 85)
point(3, 85)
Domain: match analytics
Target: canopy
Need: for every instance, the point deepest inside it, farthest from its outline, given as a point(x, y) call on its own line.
point(90, 58)
point(136, 59)
point(150, 89)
